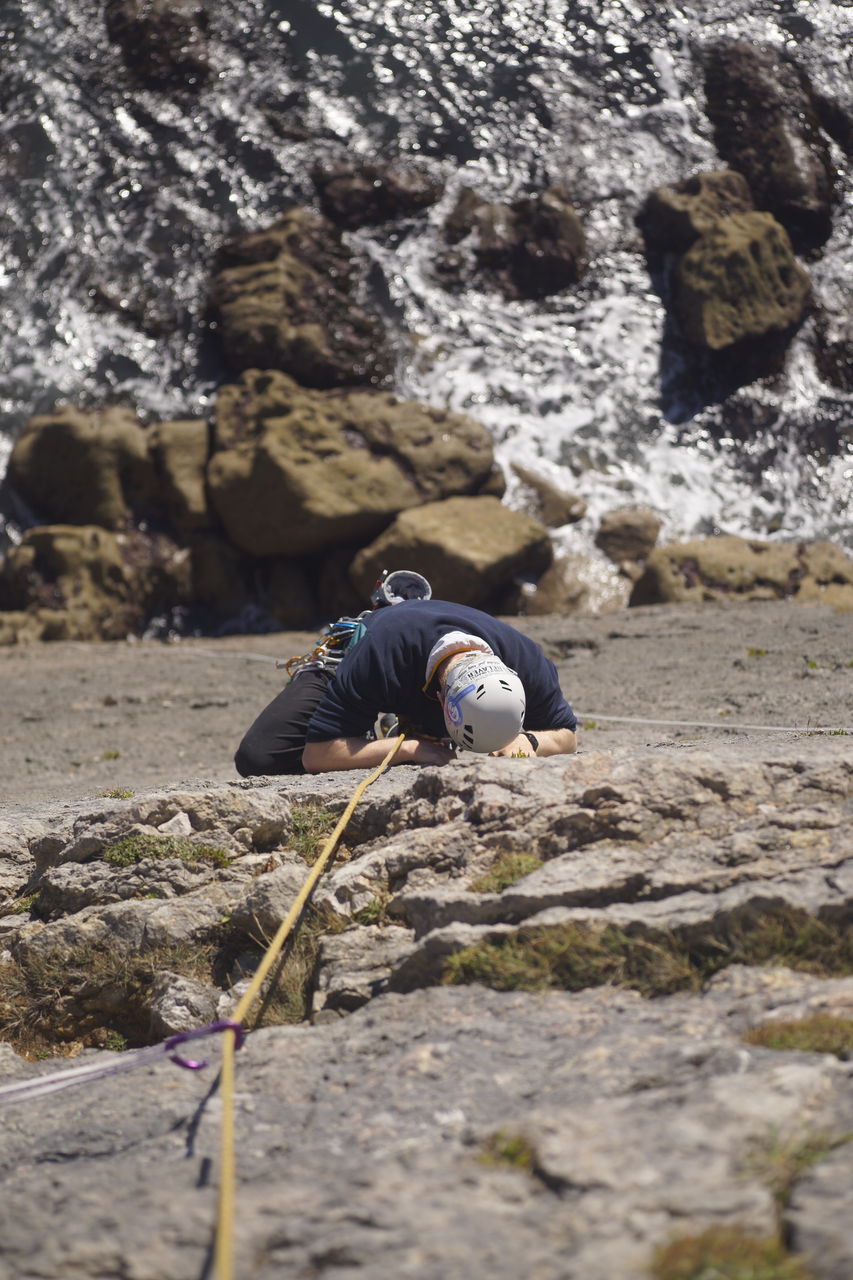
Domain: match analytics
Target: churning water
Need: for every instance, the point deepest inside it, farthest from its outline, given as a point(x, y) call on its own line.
point(116, 198)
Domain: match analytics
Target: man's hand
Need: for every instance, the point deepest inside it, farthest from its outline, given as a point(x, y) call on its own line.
point(520, 746)
point(552, 742)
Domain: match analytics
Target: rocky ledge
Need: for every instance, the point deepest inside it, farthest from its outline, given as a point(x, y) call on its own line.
point(576, 1017)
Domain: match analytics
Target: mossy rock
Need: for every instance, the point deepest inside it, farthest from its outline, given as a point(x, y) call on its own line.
point(285, 299)
point(471, 550)
point(297, 471)
point(83, 468)
point(725, 567)
point(739, 282)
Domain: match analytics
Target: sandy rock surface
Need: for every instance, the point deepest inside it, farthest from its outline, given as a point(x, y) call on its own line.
point(81, 719)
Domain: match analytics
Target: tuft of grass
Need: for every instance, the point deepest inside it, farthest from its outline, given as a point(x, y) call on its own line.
point(376, 911)
point(575, 955)
point(780, 1162)
point(507, 869)
point(508, 1149)
point(756, 653)
point(288, 996)
point(727, 1253)
point(821, 1033)
point(109, 755)
point(588, 724)
point(312, 824)
point(88, 995)
point(116, 793)
point(23, 904)
point(133, 848)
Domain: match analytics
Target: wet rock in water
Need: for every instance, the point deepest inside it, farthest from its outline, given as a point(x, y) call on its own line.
point(726, 567)
point(740, 282)
point(833, 346)
point(531, 248)
point(628, 534)
point(85, 583)
point(286, 298)
point(673, 217)
point(767, 126)
point(358, 195)
point(297, 471)
point(474, 547)
point(552, 505)
point(162, 41)
point(73, 467)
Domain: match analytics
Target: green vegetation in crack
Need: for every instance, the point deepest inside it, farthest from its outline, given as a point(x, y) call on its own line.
point(286, 999)
point(780, 1162)
point(506, 870)
point(511, 1150)
point(311, 825)
point(727, 1253)
point(134, 848)
point(573, 956)
point(821, 1033)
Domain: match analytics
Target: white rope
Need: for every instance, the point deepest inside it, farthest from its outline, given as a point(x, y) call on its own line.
point(582, 715)
point(714, 724)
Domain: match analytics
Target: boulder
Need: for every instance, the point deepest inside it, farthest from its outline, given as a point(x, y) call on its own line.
point(297, 471)
point(162, 41)
point(97, 585)
point(675, 216)
point(358, 195)
point(574, 583)
point(285, 298)
point(767, 126)
point(720, 568)
point(551, 505)
point(528, 249)
point(628, 534)
point(740, 281)
point(179, 451)
point(83, 468)
point(469, 549)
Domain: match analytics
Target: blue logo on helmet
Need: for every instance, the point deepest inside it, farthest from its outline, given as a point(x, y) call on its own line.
point(452, 710)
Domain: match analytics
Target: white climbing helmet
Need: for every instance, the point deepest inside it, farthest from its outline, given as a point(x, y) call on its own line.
point(484, 703)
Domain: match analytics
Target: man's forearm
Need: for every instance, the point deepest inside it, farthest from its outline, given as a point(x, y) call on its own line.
point(360, 753)
point(556, 742)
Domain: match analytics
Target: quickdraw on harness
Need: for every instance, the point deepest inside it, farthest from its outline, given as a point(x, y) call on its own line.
point(328, 652)
point(339, 637)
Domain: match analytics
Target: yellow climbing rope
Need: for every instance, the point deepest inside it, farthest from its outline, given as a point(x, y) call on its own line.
point(224, 1248)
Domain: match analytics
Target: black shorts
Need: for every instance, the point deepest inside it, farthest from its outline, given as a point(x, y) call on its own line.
point(276, 740)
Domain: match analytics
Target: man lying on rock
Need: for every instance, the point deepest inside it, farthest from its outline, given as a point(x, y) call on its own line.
point(453, 679)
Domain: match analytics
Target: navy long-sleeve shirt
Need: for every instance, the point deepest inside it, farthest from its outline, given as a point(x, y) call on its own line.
point(386, 671)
